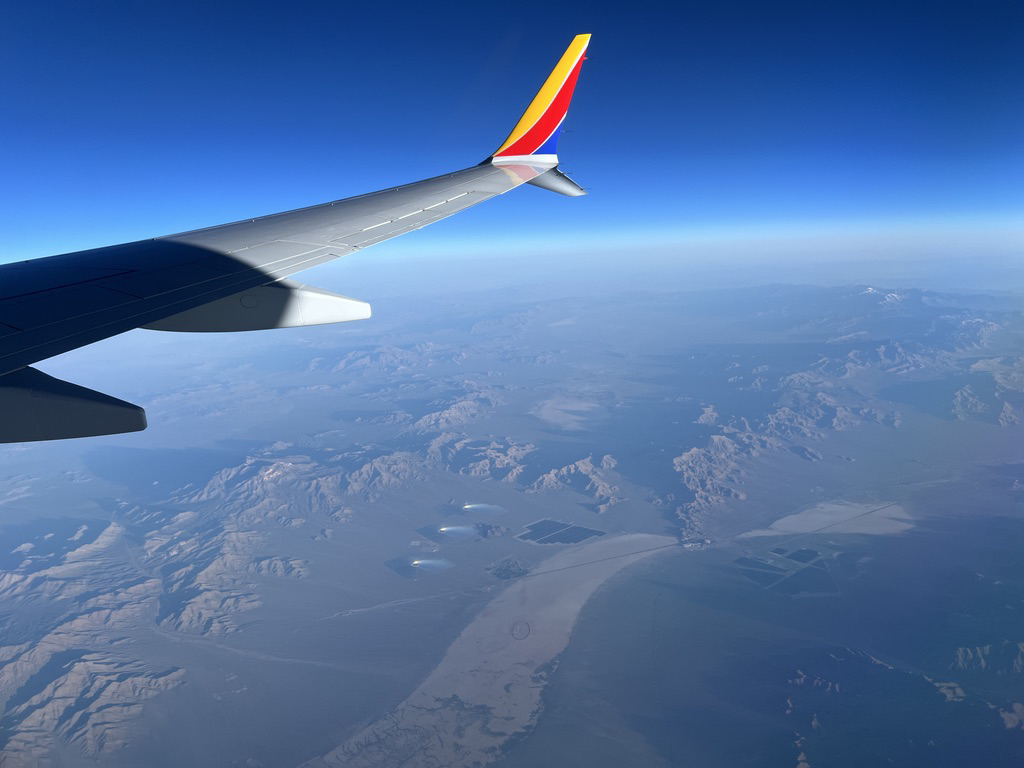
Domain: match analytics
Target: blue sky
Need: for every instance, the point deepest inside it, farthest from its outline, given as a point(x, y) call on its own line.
point(120, 121)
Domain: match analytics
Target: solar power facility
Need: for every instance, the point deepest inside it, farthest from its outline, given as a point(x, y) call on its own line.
point(557, 532)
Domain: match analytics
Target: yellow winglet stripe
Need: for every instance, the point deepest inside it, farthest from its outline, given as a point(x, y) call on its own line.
point(546, 95)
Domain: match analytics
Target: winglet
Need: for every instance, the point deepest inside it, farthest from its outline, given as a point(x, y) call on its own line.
point(536, 134)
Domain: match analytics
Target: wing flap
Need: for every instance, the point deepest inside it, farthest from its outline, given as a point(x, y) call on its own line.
point(63, 304)
point(21, 279)
point(149, 284)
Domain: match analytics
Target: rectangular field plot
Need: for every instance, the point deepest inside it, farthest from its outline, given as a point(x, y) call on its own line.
point(557, 532)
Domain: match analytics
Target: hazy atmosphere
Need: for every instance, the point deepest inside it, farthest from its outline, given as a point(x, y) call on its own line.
point(719, 465)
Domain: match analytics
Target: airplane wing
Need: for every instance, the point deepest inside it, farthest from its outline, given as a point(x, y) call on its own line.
point(233, 277)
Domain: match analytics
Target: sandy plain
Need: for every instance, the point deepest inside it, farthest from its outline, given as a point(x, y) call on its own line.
point(488, 686)
point(840, 517)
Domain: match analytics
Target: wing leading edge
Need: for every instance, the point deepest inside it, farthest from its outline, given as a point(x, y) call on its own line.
point(232, 277)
